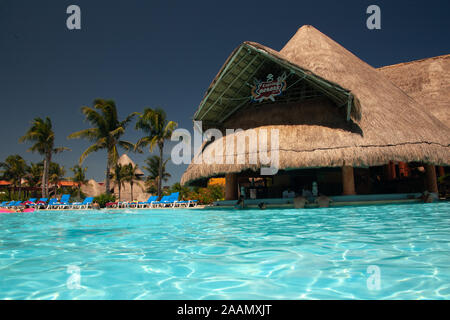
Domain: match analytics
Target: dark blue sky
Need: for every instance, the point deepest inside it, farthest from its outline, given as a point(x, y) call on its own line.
point(165, 53)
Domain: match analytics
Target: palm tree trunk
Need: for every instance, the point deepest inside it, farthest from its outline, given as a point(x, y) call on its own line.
point(45, 178)
point(119, 191)
point(131, 187)
point(79, 192)
point(161, 146)
point(108, 163)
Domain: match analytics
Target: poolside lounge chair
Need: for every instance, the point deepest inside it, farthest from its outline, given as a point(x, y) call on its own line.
point(111, 204)
point(148, 203)
point(15, 204)
point(10, 204)
point(63, 203)
point(4, 204)
point(41, 203)
point(168, 201)
point(29, 201)
point(122, 204)
point(163, 200)
point(186, 203)
point(87, 203)
point(51, 203)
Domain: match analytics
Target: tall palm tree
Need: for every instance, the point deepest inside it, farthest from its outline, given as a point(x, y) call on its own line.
point(14, 169)
point(153, 168)
point(131, 176)
point(56, 174)
point(79, 176)
point(105, 132)
point(158, 129)
point(118, 176)
point(41, 133)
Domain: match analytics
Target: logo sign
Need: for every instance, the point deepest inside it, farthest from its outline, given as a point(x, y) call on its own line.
point(269, 89)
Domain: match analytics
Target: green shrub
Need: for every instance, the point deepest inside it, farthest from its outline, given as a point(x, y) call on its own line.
point(104, 198)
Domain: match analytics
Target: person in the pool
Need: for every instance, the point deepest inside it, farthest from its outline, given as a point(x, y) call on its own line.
point(428, 197)
point(300, 202)
point(240, 203)
point(262, 205)
point(323, 201)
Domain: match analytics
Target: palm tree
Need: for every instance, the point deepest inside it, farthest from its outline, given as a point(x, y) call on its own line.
point(105, 132)
point(153, 167)
point(158, 129)
point(79, 176)
point(131, 176)
point(56, 174)
point(41, 133)
point(118, 175)
point(14, 169)
point(34, 174)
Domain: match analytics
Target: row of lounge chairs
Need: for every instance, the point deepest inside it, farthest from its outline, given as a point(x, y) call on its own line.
point(170, 201)
point(44, 203)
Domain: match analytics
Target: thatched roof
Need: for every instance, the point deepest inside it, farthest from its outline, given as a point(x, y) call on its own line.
point(92, 188)
point(125, 160)
point(425, 80)
point(385, 123)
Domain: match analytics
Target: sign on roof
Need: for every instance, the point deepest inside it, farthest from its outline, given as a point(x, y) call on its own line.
point(269, 89)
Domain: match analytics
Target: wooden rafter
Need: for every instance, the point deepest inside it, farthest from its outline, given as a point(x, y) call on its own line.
point(229, 85)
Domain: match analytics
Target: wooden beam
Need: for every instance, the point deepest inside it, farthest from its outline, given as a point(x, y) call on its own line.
point(431, 180)
point(231, 83)
point(348, 181)
point(245, 82)
point(224, 72)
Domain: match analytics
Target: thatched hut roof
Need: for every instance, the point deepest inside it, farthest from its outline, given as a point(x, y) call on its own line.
point(125, 160)
point(425, 80)
point(359, 117)
point(92, 188)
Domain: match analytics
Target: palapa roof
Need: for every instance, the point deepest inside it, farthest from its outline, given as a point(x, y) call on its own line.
point(126, 160)
point(92, 188)
point(367, 120)
point(425, 80)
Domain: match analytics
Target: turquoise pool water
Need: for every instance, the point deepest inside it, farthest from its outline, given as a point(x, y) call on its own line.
point(373, 252)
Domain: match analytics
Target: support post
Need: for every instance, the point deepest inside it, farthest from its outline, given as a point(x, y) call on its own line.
point(392, 172)
point(441, 171)
point(231, 186)
point(431, 180)
point(348, 181)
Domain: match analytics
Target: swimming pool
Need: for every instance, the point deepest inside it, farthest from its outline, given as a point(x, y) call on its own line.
point(373, 252)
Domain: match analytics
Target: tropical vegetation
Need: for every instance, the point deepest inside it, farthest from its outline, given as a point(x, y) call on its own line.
point(79, 177)
point(157, 129)
point(131, 176)
point(153, 168)
point(42, 136)
point(14, 169)
point(106, 133)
